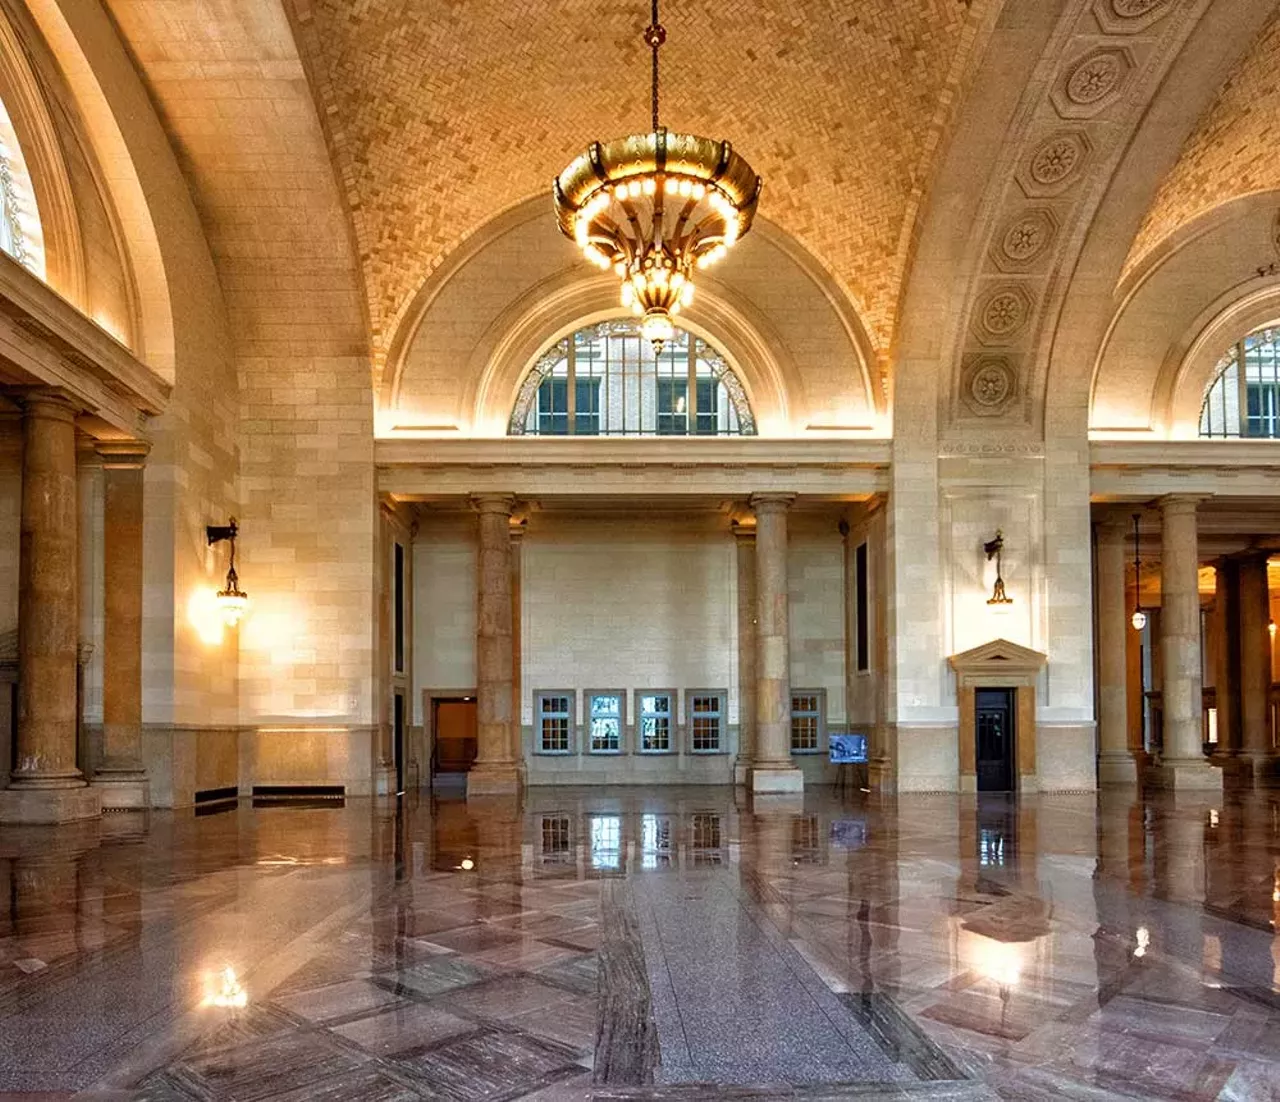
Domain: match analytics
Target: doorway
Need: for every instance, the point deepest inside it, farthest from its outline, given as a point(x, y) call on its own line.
point(453, 723)
point(995, 734)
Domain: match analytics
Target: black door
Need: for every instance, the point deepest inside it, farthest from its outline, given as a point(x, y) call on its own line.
point(398, 743)
point(995, 740)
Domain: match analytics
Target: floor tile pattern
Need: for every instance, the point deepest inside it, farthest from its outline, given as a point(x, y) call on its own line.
point(627, 944)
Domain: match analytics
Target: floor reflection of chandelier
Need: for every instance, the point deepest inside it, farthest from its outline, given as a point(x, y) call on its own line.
point(654, 206)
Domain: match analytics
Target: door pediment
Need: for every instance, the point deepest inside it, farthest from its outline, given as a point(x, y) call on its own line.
point(997, 663)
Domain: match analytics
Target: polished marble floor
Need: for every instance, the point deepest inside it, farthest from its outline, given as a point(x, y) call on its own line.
point(625, 943)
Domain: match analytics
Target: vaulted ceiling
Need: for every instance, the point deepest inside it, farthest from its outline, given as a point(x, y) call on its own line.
point(442, 115)
point(364, 140)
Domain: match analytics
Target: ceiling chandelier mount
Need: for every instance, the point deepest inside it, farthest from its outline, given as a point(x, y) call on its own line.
point(654, 207)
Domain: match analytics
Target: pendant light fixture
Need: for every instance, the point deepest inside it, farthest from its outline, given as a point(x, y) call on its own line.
point(1139, 618)
point(233, 602)
point(653, 207)
point(999, 599)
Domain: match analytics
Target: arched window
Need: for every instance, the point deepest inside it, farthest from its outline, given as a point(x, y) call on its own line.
point(1244, 399)
point(20, 233)
point(606, 381)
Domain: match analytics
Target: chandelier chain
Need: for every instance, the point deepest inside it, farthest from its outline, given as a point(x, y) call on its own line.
point(655, 35)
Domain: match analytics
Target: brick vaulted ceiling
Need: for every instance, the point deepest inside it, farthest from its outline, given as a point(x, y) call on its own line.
point(442, 113)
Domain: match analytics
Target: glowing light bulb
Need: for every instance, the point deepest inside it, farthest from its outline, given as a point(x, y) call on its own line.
point(657, 328)
point(1138, 619)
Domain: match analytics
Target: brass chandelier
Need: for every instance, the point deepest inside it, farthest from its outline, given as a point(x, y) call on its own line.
point(653, 207)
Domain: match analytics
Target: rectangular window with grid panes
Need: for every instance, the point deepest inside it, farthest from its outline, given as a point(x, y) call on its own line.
point(706, 721)
point(604, 720)
point(654, 712)
point(807, 720)
point(553, 719)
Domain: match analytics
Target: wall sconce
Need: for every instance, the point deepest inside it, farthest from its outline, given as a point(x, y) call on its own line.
point(232, 600)
point(994, 549)
point(1139, 618)
point(1271, 630)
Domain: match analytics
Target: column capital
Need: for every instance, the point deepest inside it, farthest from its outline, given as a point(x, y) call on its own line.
point(1180, 503)
point(122, 455)
point(494, 503)
point(771, 502)
point(52, 403)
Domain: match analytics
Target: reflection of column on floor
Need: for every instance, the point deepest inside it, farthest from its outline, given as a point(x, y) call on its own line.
point(1223, 656)
point(121, 777)
point(1182, 763)
point(1115, 761)
point(47, 786)
point(1255, 666)
point(745, 540)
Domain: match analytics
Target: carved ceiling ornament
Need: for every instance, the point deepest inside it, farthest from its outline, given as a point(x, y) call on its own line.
point(989, 386)
point(1025, 239)
point(1001, 314)
point(1055, 164)
point(1092, 83)
point(1129, 16)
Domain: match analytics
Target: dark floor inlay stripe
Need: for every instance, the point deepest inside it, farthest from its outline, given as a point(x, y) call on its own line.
point(900, 1038)
point(626, 1036)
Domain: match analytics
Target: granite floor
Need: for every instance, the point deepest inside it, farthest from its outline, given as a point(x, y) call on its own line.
point(626, 944)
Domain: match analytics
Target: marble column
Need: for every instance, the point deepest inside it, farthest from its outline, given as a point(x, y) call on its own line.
point(772, 769)
point(745, 538)
point(497, 769)
point(1182, 761)
point(121, 777)
point(46, 786)
point(1116, 764)
point(1255, 666)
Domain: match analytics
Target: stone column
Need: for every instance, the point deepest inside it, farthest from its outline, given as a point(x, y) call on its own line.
point(46, 786)
point(497, 769)
point(121, 777)
point(1255, 666)
point(772, 768)
point(1182, 761)
point(745, 538)
point(1115, 762)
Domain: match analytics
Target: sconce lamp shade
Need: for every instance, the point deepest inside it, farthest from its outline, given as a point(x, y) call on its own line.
point(234, 604)
point(1138, 619)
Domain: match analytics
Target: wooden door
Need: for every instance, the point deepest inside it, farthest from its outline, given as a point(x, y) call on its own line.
point(454, 724)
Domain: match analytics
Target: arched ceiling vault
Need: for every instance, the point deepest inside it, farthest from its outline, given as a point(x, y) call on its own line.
point(441, 115)
point(1233, 152)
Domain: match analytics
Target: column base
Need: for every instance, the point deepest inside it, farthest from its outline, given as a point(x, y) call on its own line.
point(1187, 775)
point(495, 780)
point(384, 779)
point(122, 789)
point(1258, 767)
point(1117, 769)
point(776, 778)
point(48, 806)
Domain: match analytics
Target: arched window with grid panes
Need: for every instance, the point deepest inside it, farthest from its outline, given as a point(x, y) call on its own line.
point(20, 232)
point(1243, 401)
point(606, 380)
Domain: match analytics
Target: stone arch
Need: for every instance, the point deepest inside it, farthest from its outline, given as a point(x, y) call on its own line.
point(131, 200)
point(24, 100)
point(539, 321)
point(484, 313)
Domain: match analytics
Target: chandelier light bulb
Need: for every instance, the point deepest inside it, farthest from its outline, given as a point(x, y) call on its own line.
point(657, 328)
point(1138, 619)
point(653, 207)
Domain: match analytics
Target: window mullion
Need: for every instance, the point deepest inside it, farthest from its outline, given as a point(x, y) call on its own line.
point(571, 390)
point(1242, 390)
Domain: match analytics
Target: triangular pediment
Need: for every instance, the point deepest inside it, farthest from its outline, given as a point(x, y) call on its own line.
point(1000, 656)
